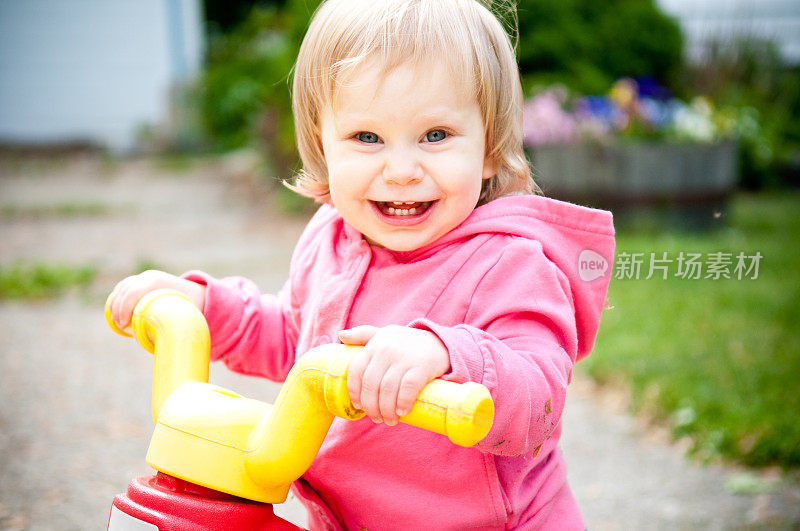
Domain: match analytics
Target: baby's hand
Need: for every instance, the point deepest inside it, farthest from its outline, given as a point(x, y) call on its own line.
point(128, 292)
point(387, 375)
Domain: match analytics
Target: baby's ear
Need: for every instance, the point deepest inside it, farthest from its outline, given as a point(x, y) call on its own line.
point(489, 168)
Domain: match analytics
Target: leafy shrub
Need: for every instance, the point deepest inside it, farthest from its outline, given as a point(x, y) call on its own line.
point(586, 44)
point(749, 73)
point(244, 92)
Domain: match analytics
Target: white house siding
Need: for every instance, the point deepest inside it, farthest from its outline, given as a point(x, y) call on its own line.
point(725, 20)
point(92, 70)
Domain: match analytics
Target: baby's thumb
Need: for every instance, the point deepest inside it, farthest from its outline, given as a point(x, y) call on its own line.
point(359, 335)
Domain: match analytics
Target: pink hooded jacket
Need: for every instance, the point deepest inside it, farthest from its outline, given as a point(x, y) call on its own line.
point(515, 293)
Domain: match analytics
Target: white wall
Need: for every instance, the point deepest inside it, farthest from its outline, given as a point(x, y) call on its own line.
point(725, 20)
point(92, 70)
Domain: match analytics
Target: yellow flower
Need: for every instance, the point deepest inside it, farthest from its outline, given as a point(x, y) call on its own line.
point(624, 92)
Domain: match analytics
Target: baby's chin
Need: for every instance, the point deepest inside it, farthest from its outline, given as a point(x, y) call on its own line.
point(401, 244)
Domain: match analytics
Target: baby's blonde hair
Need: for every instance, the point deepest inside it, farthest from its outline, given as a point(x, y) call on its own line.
point(344, 35)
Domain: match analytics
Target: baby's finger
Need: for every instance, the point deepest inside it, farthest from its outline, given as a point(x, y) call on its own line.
point(410, 387)
point(123, 308)
point(358, 335)
point(355, 373)
point(129, 297)
point(387, 400)
point(115, 302)
point(371, 387)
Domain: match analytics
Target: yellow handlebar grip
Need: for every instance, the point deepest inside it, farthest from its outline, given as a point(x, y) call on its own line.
point(464, 412)
point(182, 348)
point(127, 331)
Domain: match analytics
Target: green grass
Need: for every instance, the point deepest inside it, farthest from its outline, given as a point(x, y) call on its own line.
point(10, 212)
point(717, 360)
point(41, 280)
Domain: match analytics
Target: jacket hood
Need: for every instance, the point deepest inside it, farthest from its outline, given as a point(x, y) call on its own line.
point(577, 239)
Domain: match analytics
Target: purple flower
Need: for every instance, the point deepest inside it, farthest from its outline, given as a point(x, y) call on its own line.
point(638, 107)
point(544, 121)
point(649, 88)
point(601, 109)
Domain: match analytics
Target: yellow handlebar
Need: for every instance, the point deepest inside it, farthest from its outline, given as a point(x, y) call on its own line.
point(177, 334)
point(216, 438)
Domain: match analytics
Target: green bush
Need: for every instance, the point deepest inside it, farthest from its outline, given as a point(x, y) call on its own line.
point(244, 92)
point(587, 45)
point(749, 73)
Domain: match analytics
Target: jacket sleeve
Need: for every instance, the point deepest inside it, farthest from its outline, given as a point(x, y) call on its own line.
point(518, 339)
point(252, 333)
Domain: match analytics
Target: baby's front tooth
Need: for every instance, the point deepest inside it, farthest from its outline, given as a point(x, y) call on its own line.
point(404, 211)
point(412, 211)
point(391, 211)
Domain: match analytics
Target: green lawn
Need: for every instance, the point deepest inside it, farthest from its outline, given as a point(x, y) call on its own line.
point(716, 359)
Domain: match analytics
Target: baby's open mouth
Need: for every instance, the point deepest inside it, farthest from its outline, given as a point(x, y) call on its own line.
point(403, 208)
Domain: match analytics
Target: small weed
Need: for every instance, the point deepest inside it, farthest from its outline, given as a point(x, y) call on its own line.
point(747, 483)
point(11, 212)
point(41, 280)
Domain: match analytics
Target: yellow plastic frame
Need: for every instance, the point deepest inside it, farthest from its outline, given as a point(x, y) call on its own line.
point(216, 438)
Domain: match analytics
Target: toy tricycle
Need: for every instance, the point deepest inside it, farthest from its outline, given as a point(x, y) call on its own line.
point(222, 459)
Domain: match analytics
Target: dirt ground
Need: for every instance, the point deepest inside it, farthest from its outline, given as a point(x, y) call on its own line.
point(75, 398)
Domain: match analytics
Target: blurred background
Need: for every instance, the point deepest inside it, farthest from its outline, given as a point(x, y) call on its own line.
point(156, 133)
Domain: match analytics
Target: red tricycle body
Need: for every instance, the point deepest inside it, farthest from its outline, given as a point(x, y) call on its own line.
point(166, 503)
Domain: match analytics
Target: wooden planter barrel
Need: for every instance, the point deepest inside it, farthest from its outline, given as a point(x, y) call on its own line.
point(684, 179)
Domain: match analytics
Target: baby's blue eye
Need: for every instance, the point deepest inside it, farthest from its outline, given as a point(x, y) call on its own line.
point(367, 137)
point(437, 135)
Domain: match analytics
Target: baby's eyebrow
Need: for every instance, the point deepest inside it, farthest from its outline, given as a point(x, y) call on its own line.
point(352, 119)
point(346, 123)
point(439, 121)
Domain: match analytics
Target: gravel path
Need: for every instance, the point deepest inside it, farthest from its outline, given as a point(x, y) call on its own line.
point(74, 397)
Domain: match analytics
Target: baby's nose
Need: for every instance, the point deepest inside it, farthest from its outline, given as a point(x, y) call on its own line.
point(402, 167)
